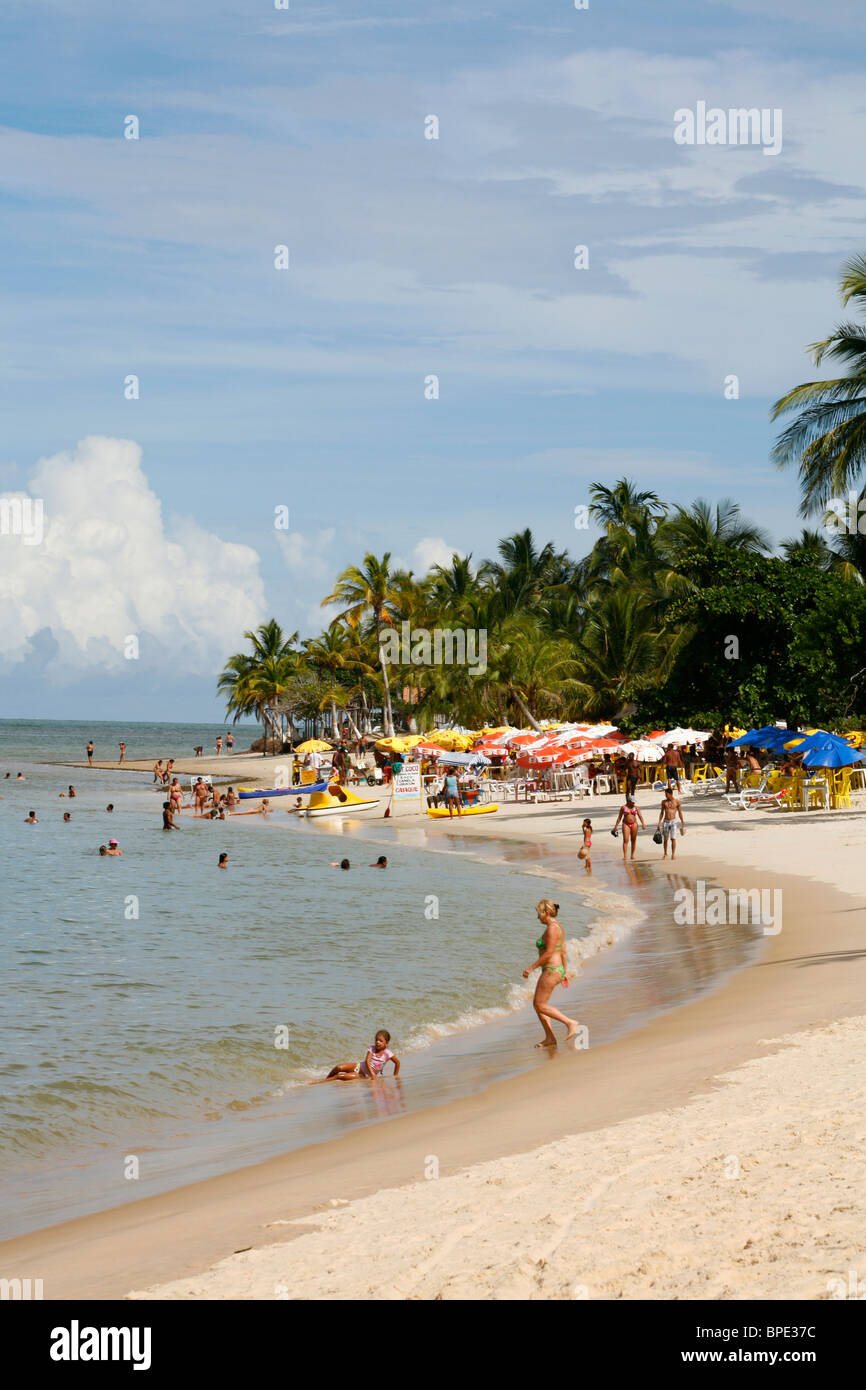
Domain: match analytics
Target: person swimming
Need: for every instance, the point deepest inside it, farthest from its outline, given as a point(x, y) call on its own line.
point(223, 861)
point(381, 863)
point(339, 864)
point(31, 819)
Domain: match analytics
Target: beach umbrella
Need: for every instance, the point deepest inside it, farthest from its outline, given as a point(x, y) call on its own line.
point(769, 737)
point(818, 738)
point(473, 759)
point(314, 745)
point(643, 749)
point(832, 755)
point(681, 736)
point(399, 743)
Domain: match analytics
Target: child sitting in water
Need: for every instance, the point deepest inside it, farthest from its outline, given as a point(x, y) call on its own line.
point(373, 1064)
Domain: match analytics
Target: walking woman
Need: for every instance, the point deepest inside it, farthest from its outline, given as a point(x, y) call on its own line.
point(553, 965)
point(629, 815)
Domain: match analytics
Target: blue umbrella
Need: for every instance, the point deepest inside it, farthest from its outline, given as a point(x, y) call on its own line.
point(832, 755)
point(768, 737)
point(820, 739)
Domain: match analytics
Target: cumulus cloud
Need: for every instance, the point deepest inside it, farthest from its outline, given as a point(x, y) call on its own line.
point(108, 568)
point(430, 551)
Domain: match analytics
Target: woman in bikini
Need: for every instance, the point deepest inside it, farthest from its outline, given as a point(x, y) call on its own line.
point(553, 965)
point(629, 815)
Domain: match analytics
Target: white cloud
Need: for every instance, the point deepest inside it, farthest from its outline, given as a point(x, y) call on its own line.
point(307, 554)
point(430, 551)
point(109, 567)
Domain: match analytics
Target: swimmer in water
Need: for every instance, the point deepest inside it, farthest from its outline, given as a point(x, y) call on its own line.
point(373, 1064)
point(266, 809)
point(381, 863)
point(339, 864)
point(31, 819)
point(223, 862)
point(168, 817)
point(553, 965)
point(71, 791)
point(103, 849)
point(66, 816)
point(114, 849)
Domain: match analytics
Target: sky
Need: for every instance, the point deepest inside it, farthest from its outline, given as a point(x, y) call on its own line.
point(166, 387)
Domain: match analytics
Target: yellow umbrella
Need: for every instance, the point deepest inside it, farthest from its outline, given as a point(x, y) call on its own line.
point(399, 743)
point(313, 745)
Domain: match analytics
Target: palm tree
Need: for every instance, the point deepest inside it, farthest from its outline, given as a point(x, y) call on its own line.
point(704, 526)
point(827, 440)
point(370, 592)
point(329, 654)
point(255, 682)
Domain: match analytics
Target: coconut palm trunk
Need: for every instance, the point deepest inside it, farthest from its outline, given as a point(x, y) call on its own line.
point(387, 716)
point(530, 718)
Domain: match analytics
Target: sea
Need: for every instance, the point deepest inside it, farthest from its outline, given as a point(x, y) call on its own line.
point(161, 1019)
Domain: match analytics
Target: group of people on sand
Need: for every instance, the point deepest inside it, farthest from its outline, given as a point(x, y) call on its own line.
point(670, 825)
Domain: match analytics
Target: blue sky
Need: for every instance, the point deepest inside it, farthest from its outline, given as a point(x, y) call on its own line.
point(408, 257)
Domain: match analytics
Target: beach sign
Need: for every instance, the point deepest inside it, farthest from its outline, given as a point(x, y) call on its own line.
point(407, 786)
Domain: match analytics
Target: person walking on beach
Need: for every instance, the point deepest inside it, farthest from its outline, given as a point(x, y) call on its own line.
point(90, 753)
point(584, 851)
point(671, 807)
point(122, 747)
point(629, 815)
point(452, 795)
point(219, 745)
point(553, 965)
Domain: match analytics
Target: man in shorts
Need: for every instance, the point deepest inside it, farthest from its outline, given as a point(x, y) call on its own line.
point(671, 809)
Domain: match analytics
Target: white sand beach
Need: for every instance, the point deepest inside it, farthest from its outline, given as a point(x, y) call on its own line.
point(714, 1153)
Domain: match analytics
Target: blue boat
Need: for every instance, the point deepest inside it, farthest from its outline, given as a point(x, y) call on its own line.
point(248, 794)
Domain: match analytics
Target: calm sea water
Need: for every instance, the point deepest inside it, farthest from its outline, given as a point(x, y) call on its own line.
point(159, 1008)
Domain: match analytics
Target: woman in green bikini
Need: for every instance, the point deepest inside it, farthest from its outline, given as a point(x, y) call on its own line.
point(553, 965)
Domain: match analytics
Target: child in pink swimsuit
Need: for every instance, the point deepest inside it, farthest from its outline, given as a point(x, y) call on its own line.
point(373, 1064)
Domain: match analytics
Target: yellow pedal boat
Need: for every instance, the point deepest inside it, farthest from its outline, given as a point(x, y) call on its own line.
point(437, 812)
point(337, 801)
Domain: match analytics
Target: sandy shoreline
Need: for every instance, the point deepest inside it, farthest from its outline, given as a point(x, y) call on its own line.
point(811, 975)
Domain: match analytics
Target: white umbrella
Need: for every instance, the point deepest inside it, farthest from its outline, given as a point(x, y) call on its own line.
point(680, 737)
point(644, 750)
